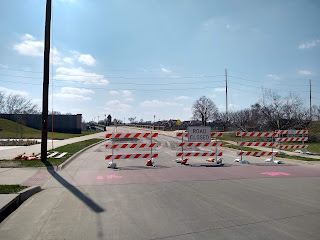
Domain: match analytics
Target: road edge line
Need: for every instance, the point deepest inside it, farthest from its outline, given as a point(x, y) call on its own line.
point(70, 159)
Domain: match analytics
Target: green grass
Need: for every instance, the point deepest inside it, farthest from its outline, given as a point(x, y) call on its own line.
point(70, 148)
point(298, 158)
point(9, 189)
point(231, 136)
point(313, 147)
point(229, 145)
point(314, 127)
point(11, 129)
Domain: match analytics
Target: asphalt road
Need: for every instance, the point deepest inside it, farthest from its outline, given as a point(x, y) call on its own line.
point(201, 200)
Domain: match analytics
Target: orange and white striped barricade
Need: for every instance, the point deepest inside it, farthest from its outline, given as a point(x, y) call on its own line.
point(183, 145)
point(150, 145)
point(257, 154)
point(291, 138)
point(256, 144)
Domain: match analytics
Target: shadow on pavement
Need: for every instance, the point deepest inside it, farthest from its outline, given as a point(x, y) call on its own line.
point(91, 204)
point(210, 165)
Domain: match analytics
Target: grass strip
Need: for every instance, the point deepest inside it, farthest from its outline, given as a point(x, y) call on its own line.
point(9, 189)
point(229, 145)
point(298, 158)
point(70, 148)
point(13, 130)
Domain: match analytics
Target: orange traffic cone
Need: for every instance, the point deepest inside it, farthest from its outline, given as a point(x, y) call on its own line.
point(184, 161)
point(149, 162)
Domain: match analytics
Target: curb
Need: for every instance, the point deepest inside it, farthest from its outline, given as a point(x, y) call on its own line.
point(69, 160)
point(18, 200)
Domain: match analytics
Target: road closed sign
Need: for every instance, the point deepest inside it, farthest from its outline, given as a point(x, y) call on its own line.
point(199, 134)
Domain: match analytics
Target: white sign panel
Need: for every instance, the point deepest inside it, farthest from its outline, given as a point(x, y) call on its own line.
point(199, 134)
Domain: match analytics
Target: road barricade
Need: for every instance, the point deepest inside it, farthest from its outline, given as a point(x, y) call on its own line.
point(256, 144)
point(291, 138)
point(183, 154)
point(150, 145)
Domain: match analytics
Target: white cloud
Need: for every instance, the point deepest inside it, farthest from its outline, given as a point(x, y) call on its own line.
point(310, 44)
point(117, 106)
point(11, 91)
point(28, 37)
point(157, 103)
point(165, 70)
point(37, 101)
point(30, 47)
point(219, 89)
point(80, 75)
point(71, 90)
point(233, 106)
point(87, 59)
point(305, 72)
point(4, 66)
point(70, 96)
point(68, 60)
point(113, 92)
point(126, 94)
point(182, 98)
point(273, 76)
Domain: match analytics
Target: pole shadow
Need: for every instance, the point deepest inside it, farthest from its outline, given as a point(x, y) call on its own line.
point(75, 191)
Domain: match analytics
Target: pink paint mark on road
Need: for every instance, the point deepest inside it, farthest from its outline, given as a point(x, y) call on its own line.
point(276, 173)
point(108, 177)
point(113, 176)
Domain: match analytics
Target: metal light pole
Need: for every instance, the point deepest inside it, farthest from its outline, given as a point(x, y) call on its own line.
point(45, 89)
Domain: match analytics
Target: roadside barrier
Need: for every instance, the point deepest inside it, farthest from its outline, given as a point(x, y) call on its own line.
point(291, 131)
point(198, 154)
point(292, 139)
point(182, 154)
point(198, 144)
point(257, 154)
point(131, 145)
point(150, 145)
point(301, 138)
point(213, 134)
point(131, 135)
point(256, 144)
point(292, 146)
point(256, 134)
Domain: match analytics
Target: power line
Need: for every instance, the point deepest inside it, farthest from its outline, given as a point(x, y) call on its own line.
point(267, 88)
point(129, 83)
point(118, 89)
point(117, 77)
point(262, 82)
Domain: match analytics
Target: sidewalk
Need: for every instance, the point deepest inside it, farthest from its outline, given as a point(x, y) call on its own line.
point(28, 176)
point(28, 150)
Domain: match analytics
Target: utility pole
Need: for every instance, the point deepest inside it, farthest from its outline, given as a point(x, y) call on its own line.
point(45, 88)
point(310, 101)
point(226, 93)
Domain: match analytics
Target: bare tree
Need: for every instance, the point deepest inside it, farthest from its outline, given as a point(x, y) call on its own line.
point(16, 103)
point(131, 119)
point(315, 113)
point(204, 109)
point(2, 101)
point(284, 112)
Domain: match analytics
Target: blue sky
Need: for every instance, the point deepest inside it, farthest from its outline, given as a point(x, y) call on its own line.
point(144, 58)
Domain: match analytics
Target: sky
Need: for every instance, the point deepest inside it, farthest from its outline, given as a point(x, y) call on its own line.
point(152, 59)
